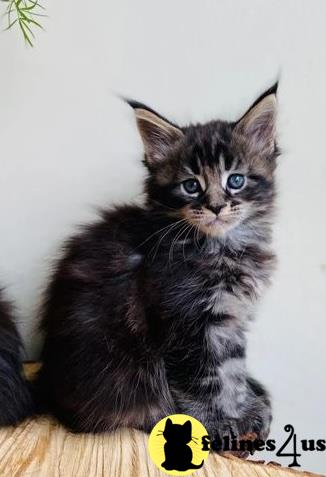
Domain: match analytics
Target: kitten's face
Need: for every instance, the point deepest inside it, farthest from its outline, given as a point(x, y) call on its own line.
point(215, 177)
point(179, 433)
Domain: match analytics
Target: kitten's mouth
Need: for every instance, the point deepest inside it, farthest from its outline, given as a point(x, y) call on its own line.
point(216, 220)
point(212, 224)
point(216, 226)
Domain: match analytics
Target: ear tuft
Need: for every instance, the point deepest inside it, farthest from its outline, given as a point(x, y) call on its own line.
point(258, 125)
point(158, 134)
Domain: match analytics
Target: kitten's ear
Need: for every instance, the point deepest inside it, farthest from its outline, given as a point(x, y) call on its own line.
point(187, 427)
point(168, 423)
point(258, 124)
point(157, 133)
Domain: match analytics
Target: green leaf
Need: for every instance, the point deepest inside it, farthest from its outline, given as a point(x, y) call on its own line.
point(33, 5)
point(11, 24)
point(24, 13)
point(29, 29)
point(34, 22)
point(25, 34)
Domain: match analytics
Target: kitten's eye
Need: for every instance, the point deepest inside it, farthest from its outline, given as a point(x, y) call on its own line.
point(191, 186)
point(236, 181)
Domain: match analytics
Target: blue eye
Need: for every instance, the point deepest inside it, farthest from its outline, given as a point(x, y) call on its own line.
point(191, 186)
point(235, 181)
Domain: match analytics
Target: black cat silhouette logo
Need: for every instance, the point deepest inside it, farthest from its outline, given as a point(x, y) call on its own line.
point(178, 455)
point(178, 445)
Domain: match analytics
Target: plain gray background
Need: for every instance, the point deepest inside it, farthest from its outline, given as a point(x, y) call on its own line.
point(68, 145)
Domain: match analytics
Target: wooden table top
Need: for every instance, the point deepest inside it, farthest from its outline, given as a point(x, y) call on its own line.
point(43, 448)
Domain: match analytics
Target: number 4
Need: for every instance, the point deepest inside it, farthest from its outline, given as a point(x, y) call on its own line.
point(294, 454)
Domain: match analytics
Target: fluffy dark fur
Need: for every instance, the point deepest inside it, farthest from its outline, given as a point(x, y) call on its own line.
point(146, 313)
point(15, 397)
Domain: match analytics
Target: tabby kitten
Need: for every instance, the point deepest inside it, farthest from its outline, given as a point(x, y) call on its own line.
point(146, 312)
point(15, 397)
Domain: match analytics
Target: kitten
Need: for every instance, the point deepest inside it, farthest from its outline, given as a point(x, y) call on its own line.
point(146, 312)
point(15, 397)
point(178, 455)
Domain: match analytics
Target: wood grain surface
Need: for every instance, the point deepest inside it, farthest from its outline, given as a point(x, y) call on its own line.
point(43, 448)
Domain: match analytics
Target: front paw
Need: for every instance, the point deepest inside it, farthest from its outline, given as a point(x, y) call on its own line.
point(240, 436)
point(258, 410)
point(226, 432)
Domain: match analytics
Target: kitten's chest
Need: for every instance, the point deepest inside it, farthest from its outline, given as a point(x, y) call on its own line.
point(220, 284)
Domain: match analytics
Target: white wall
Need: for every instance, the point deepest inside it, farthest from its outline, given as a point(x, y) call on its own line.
point(68, 144)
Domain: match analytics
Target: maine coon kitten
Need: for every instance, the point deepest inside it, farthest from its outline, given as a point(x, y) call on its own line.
point(146, 312)
point(15, 397)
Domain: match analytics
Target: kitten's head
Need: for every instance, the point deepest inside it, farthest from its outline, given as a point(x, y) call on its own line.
point(180, 433)
point(216, 176)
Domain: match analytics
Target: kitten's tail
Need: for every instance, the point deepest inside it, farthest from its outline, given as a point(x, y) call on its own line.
point(198, 466)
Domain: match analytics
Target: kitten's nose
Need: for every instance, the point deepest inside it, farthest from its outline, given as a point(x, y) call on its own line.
point(216, 208)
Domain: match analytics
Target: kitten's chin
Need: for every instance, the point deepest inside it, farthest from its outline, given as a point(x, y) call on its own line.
point(216, 228)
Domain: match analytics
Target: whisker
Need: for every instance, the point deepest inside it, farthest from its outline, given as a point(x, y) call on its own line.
point(152, 235)
point(163, 205)
point(178, 223)
point(178, 234)
point(183, 247)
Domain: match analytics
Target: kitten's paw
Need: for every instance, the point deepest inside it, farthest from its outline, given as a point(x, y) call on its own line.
point(258, 412)
point(229, 438)
point(238, 436)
